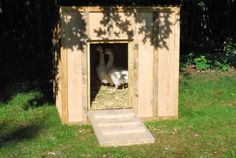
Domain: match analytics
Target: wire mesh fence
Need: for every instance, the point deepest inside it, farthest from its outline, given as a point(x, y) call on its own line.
point(11, 88)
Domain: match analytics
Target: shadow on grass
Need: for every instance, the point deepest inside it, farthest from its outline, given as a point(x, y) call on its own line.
point(28, 99)
point(19, 134)
point(37, 101)
point(9, 89)
point(18, 123)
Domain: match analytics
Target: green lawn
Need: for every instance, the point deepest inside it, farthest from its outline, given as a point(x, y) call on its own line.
point(206, 126)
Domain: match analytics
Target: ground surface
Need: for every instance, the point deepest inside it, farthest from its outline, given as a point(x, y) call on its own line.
point(108, 97)
point(206, 126)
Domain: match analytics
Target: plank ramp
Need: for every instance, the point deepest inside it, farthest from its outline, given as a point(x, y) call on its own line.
point(119, 128)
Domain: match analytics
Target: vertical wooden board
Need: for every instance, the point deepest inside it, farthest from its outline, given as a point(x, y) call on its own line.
point(155, 62)
point(64, 86)
point(155, 83)
point(85, 72)
point(167, 70)
point(57, 85)
point(73, 35)
point(135, 76)
point(77, 80)
point(85, 87)
point(130, 73)
point(63, 69)
point(176, 71)
point(57, 66)
point(145, 84)
point(74, 86)
point(88, 78)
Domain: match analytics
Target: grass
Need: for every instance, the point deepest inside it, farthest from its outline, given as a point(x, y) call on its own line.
point(206, 126)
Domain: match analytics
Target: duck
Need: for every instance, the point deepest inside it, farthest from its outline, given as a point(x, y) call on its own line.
point(101, 69)
point(117, 75)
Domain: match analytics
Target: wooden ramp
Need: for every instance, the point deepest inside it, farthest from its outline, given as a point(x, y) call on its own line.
point(119, 128)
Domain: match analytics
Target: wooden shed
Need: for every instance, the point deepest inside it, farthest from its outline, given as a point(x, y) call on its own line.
point(146, 42)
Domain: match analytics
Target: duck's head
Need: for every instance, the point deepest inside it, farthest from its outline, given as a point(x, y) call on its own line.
point(99, 49)
point(108, 51)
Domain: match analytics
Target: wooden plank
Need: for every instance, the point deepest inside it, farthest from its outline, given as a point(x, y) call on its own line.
point(177, 54)
point(74, 36)
point(120, 8)
point(63, 71)
point(64, 85)
point(167, 66)
point(75, 86)
point(88, 78)
point(130, 74)
point(75, 50)
point(98, 28)
point(135, 76)
point(103, 25)
point(155, 63)
point(56, 61)
point(145, 84)
point(85, 87)
point(125, 128)
point(85, 71)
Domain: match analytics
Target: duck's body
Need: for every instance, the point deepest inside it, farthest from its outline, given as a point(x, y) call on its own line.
point(101, 67)
point(117, 75)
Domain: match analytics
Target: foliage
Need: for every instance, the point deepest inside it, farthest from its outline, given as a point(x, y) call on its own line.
point(26, 31)
point(205, 128)
point(224, 66)
point(201, 63)
point(205, 24)
point(213, 61)
point(186, 61)
point(229, 46)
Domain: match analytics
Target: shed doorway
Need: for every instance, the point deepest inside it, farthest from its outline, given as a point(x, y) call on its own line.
point(103, 95)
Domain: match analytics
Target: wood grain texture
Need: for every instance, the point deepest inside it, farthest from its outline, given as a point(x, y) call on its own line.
point(57, 64)
point(177, 59)
point(130, 73)
point(167, 70)
point(135, 76)
point(145, 65)
point(73, 24)
point(64, 71)
point(85, 72)
point(153, 68)
point(98, 9)
point(119, 128)
point(155, 64)
point(64, 85)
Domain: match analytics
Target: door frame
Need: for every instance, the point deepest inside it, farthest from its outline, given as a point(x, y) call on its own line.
point(130, 68)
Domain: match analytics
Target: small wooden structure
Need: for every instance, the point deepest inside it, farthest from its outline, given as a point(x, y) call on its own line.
point(152, 34)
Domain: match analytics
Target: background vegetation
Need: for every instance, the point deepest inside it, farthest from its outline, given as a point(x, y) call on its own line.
point(207, 38)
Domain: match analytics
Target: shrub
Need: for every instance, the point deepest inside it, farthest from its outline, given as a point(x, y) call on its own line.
point(229, 47)
point(201, 63)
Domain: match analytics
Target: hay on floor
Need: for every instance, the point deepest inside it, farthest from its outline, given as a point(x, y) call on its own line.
point(107, 97)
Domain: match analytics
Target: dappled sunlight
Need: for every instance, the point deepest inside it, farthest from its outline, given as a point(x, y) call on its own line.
point(67, 19)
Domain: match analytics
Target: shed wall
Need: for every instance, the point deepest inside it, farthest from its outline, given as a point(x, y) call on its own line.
point(168, 68)
point(154, 34)
point(145, 62)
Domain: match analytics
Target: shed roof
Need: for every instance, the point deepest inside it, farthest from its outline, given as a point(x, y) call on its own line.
point(117, 2)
